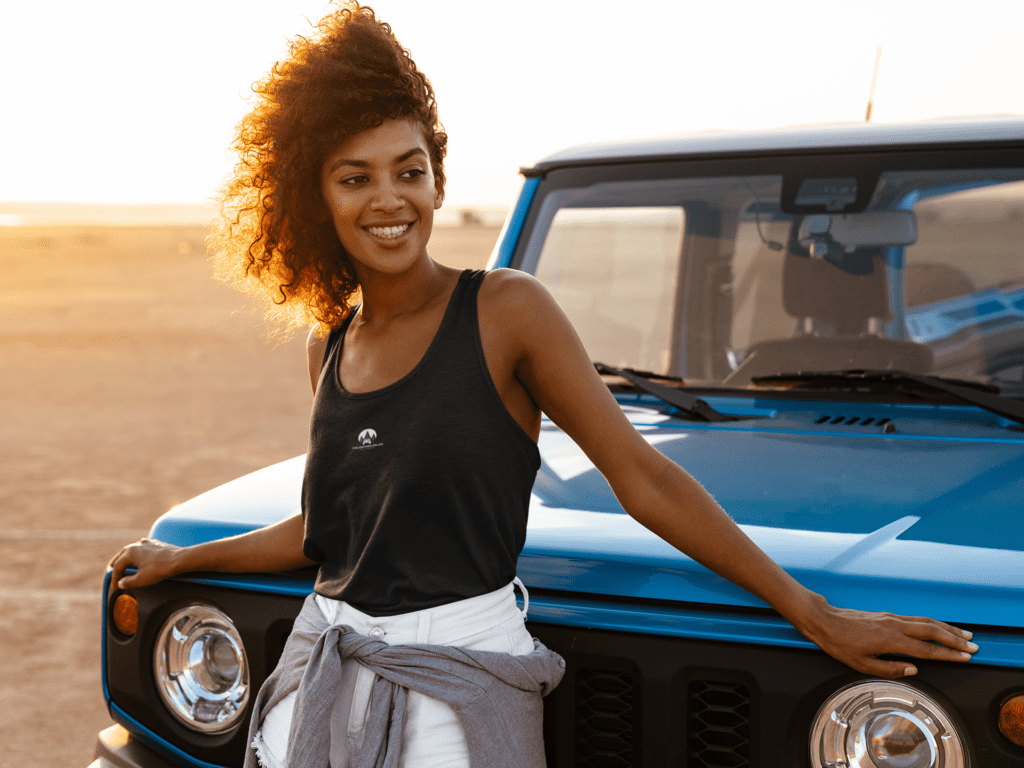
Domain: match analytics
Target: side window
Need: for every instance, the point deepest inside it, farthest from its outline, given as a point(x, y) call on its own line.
point(613, 271)
point(967, 242)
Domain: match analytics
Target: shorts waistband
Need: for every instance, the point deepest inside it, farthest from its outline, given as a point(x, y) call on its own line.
point(442, 625)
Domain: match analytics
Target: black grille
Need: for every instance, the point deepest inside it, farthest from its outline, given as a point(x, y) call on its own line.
point(605, 709)
point(719, 715)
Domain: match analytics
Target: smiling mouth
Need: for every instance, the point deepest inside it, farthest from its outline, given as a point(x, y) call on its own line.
point(389, 233)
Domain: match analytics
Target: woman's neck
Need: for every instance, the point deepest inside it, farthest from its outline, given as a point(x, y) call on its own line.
point(388, 296)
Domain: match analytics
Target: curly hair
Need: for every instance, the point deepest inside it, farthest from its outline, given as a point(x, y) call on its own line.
point(274, 239)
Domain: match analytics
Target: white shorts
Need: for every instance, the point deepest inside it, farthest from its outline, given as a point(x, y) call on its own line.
point(433, 737)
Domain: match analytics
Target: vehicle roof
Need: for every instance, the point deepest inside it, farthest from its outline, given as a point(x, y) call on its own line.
point(849, 135)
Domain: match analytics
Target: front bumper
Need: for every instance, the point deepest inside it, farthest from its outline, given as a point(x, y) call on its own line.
point(116, 748)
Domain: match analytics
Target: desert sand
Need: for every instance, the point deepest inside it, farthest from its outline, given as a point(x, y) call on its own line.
point(131, 381)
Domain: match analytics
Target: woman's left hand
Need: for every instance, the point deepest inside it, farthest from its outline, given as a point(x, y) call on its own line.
point(858, 638)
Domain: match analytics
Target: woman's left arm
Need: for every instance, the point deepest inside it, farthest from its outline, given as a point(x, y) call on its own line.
point(553, 367)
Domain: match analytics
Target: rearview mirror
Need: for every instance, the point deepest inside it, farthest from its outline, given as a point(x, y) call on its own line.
point(877, 228)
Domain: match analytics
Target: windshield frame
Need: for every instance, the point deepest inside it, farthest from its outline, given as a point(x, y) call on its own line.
point(861, 163)
point(866, 163)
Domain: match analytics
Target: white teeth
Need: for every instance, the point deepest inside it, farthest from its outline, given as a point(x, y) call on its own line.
point(388, 232)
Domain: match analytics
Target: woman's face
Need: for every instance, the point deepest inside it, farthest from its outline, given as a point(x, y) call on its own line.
point(380, 193)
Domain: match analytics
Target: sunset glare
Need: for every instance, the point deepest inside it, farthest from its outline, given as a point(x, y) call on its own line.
point(126, 102)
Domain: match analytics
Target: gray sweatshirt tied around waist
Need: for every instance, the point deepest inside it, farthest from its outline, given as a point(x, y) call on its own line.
point(495, 695)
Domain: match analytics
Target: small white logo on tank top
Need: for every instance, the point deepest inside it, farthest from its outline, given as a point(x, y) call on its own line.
point(367, 439)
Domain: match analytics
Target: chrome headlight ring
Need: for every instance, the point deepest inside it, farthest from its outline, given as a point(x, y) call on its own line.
point(884, 724)
point(201, 669)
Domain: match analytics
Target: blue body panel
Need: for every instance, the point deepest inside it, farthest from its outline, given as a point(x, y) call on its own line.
point(926, 521)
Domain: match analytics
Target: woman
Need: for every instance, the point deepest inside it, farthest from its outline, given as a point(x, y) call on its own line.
point(415, 523)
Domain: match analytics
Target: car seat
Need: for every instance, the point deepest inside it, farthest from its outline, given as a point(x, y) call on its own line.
point(841, 301)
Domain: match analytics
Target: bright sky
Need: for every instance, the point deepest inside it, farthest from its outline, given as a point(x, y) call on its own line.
point(124, 101)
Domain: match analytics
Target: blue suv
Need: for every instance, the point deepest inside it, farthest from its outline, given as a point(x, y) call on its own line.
point(825, 326)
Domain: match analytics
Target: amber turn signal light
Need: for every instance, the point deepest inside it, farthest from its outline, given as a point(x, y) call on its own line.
point(1011, 719)
point(126, 614)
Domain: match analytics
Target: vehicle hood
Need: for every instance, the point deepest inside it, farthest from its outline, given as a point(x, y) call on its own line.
point(909, 523)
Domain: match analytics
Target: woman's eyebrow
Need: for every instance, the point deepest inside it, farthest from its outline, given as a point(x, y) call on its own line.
point(364, 164)
point(414, 151)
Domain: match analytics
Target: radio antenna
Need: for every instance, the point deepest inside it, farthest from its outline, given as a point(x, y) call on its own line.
point(874, 79)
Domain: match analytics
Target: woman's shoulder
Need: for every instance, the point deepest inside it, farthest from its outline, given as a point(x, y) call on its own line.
point(520, 310)
point(509, 291)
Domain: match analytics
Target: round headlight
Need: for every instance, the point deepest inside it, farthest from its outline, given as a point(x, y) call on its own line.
point(882, 724)
point(201, 670)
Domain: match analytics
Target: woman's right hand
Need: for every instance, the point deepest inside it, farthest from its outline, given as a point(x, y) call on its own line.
point(277, 547)
point(154, 560)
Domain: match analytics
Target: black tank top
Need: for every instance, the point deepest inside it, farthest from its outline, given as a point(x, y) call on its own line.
point(416, 495)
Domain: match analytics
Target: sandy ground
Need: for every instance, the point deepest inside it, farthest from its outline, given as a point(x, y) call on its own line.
point(130, 381)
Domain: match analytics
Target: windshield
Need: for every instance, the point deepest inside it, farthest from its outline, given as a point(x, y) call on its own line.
point(721, 278)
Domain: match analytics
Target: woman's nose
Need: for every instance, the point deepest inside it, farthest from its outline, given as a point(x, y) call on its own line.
point(387, 197)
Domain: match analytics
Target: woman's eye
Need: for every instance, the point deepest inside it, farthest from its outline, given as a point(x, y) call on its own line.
point(354, 180)
point(414, 173)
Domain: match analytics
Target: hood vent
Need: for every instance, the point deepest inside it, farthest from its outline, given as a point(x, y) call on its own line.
point(857, 421)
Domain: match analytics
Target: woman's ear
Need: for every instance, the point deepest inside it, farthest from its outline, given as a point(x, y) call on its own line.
point(438, 195)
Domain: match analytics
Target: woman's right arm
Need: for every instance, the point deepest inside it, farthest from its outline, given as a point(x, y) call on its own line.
point(277, 547)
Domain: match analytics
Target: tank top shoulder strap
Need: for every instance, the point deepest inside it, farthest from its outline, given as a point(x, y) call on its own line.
point(474, 278)
point(467, 288)
point(457, 335)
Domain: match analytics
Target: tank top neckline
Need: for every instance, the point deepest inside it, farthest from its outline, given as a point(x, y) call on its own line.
point(343, 328)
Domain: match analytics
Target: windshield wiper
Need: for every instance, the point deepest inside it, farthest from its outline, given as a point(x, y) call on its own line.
point(692, 406)
point(899, 382)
